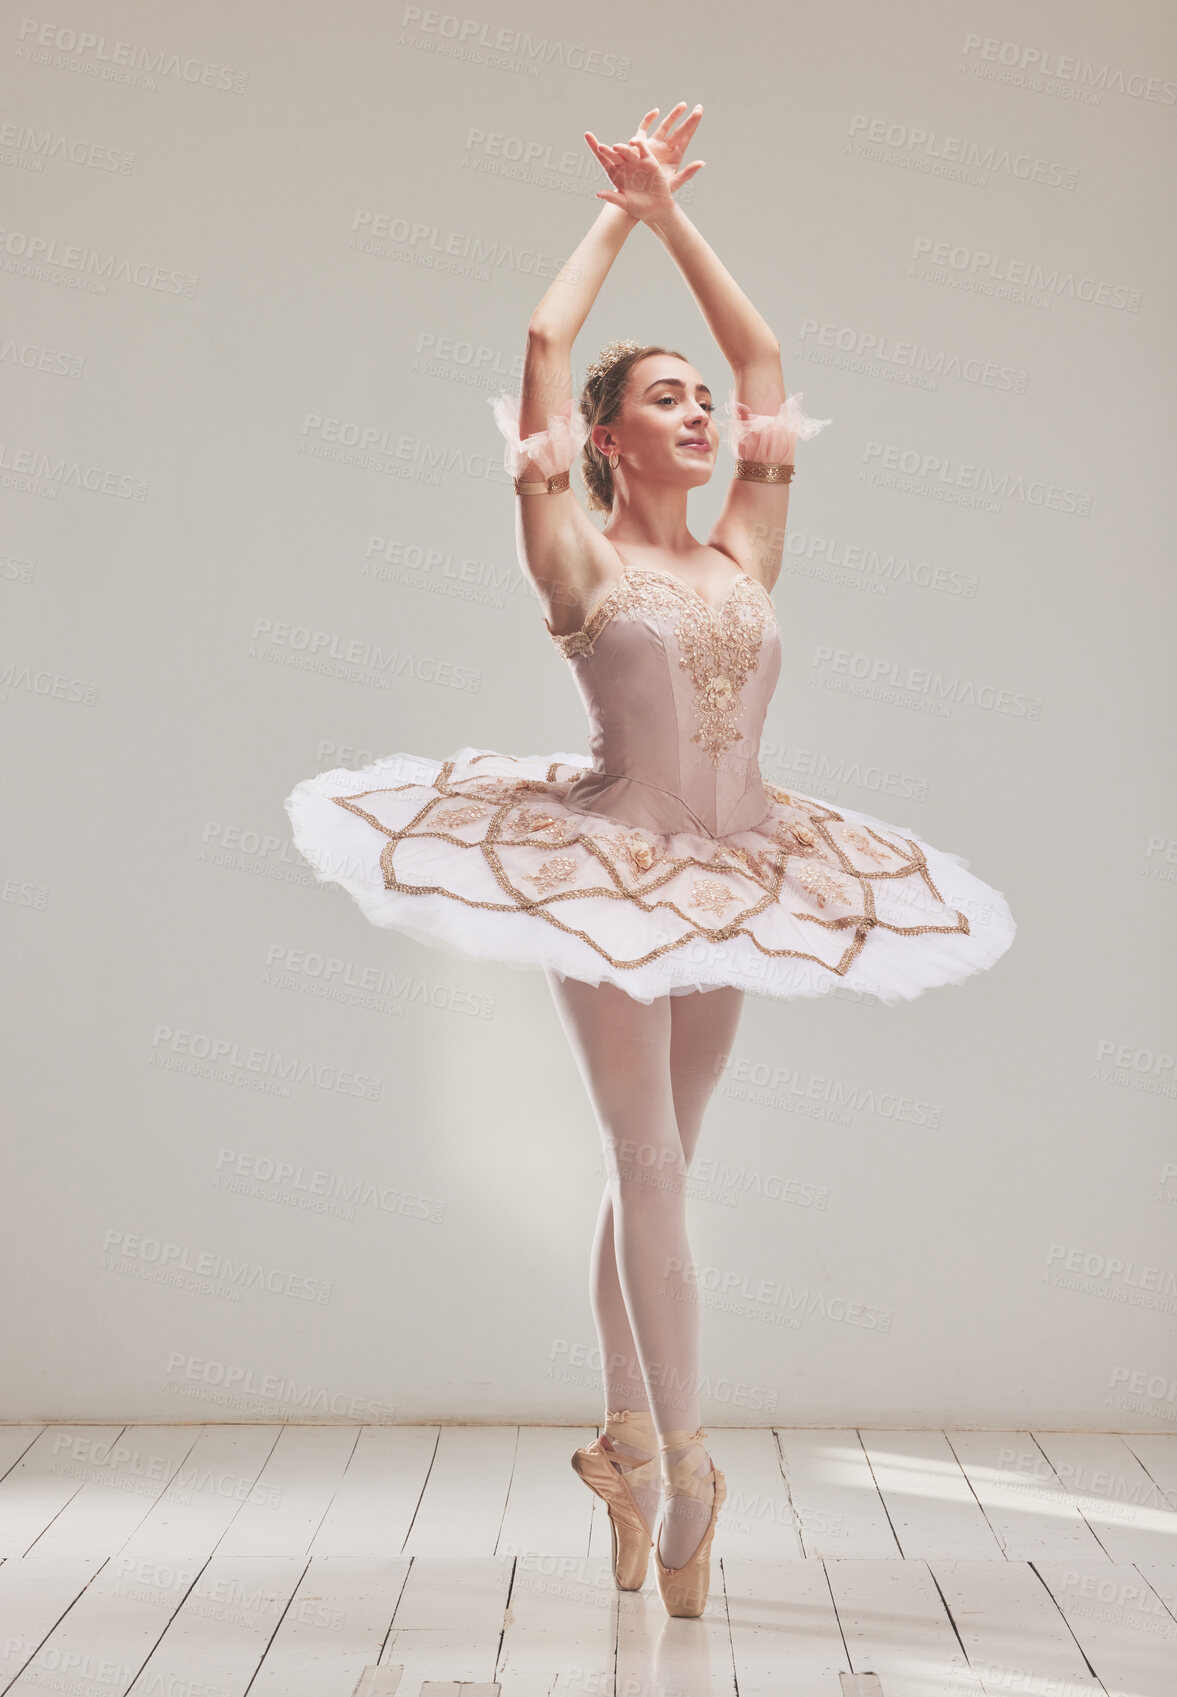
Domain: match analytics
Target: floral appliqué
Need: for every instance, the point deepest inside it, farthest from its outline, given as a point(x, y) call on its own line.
point(534, 822)
point(797, 838)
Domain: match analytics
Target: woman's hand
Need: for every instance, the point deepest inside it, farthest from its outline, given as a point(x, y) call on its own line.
point(668, 148)
point(645, 171)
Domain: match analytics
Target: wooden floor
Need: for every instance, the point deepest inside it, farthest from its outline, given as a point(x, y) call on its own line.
point(283, 1561)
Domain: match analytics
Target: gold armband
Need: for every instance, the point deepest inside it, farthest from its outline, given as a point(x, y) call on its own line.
point(764, 471)
point(550, 486)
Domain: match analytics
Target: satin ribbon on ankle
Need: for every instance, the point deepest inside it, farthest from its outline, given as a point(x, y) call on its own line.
point(681, 1480)
point(677, 1440)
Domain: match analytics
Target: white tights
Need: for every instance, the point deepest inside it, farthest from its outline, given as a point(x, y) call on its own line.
point(650, 1070)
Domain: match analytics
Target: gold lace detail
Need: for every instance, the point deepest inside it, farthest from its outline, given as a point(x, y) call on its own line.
point(719, 647)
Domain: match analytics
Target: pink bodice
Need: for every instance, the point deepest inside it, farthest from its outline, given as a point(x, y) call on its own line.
point(676, 692)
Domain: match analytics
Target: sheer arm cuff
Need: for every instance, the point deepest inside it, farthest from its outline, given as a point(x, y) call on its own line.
point(769, 435)
point(553, 449)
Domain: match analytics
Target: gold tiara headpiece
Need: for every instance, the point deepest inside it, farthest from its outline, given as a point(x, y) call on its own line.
point(609, 355)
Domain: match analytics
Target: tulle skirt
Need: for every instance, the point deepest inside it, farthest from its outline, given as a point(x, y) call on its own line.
point(481, 856)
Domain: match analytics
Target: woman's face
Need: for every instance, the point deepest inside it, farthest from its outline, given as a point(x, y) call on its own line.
point(666, 432)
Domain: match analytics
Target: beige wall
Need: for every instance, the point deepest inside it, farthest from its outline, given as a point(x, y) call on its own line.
point(239, 237)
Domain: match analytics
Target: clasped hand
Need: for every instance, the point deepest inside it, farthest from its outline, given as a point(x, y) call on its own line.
point(645, 171)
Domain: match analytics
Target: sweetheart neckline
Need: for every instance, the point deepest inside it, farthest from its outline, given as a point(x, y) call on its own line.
point(656, 571)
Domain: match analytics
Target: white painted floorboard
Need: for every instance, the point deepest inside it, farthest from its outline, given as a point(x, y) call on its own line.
point(303, 1561)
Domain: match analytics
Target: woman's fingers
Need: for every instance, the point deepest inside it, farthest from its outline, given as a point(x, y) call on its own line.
point(685, 175)
point(664, 126)
point(600, 148)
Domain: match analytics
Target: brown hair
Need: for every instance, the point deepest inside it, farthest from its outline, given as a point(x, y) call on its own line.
point(600, 403)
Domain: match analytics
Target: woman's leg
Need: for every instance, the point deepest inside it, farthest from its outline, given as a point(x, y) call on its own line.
point(622, 1048)
point(644, 1066)
point(702, 1030)
point(621, 1370)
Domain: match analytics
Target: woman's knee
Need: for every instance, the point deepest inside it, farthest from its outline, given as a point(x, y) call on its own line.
point(647, 1166)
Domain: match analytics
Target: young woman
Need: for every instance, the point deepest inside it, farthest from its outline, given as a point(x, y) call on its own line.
point(660, 879)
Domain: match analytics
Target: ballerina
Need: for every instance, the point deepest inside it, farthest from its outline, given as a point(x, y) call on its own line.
point(658, 880)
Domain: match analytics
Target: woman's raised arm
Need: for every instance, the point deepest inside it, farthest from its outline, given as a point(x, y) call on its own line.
point(763, 425)
point(560, 315)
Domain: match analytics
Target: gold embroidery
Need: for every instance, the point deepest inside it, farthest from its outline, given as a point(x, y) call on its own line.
point(718, 646)
point(859, 840)
point(719, 652)
point(795, 837)
point(712, 896)
point(556, 871)
point(497, 789)
point(531, 822)
point(455, 816)
point(819, 884)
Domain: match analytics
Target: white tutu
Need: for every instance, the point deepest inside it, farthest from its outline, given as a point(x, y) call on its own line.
point(479, 855)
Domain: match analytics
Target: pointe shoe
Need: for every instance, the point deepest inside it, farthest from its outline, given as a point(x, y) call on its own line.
point(684, 1589)
point(595, 1465)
